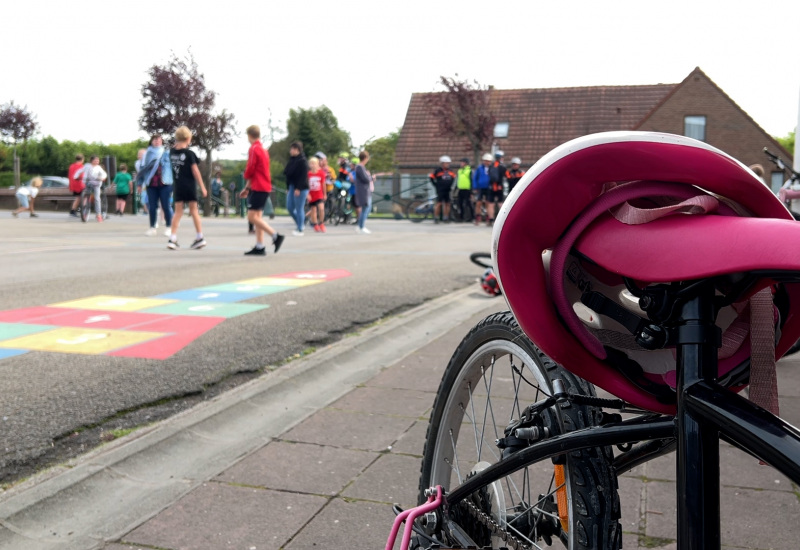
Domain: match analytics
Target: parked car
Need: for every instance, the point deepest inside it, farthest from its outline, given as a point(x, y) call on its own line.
point(50, 182)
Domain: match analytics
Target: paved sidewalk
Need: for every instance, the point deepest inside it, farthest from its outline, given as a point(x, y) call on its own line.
point(312, 456)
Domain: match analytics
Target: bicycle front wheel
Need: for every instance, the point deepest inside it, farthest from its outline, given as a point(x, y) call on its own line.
point(85, 206)
point(568, 502)
point(418, 210)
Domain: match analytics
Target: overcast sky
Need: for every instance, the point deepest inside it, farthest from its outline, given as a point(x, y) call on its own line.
point(79, 66)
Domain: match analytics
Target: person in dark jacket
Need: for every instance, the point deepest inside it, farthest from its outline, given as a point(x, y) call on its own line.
point(296, 173)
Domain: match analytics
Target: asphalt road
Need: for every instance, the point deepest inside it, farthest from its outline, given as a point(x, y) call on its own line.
point(55, 405)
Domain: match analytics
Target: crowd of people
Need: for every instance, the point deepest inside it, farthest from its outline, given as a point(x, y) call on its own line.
point(482, 189)
point(164, 177)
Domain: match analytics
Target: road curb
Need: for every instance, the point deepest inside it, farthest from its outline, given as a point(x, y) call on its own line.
point(106, 493)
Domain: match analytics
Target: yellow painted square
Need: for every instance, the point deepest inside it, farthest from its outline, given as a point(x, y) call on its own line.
point(115, 303)
point(80, 340)
point(279, 281)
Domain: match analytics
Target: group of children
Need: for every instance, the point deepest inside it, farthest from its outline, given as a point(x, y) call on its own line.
point(174, 172)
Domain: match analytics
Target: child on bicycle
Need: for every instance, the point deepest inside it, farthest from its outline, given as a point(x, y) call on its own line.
point(93, 177)
point(316, 194)
point(25, 197)
point(186, 180)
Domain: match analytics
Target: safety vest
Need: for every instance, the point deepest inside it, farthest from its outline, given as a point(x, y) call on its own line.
point(464, 180)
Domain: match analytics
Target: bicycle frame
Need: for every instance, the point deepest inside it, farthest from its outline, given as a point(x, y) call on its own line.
point(706, 412)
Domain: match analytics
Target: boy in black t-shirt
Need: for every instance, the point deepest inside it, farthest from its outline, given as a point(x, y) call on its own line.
point(186, 179)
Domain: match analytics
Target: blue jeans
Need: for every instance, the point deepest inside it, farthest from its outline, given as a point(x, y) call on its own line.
point(362, 218)
point(160, 194)
point(297, 206)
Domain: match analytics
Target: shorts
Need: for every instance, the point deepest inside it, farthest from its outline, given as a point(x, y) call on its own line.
point(184, 193)
point(77, 193)
point(443, 192)
point(256, 200)
point(483, 194)
point(496, 196)
point(23, 200)
point(316, 202)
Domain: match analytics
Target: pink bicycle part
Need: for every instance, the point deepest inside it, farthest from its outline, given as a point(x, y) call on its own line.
point(409, 516)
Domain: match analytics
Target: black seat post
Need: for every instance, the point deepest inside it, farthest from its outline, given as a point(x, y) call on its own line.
point(698, 442)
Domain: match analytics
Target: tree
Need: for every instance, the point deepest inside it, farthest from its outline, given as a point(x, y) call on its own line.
point(16, 124)
point(318, 129)
point(787, 142)
point(381, 152)
point(176, 95)
point(463, 112)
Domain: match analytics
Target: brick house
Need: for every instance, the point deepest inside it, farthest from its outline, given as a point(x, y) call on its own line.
point(532, 122)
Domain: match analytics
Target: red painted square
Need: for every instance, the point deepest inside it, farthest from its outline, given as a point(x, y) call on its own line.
point(32, 315)
point(325, 275)
point(182, 329)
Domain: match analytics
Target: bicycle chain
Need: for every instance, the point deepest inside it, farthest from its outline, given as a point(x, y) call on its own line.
point(486, 520)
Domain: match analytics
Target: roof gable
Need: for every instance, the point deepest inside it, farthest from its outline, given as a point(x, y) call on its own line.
point(539, 120)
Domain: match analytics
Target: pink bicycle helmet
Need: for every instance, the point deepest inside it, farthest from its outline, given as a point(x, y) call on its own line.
point(609, 209)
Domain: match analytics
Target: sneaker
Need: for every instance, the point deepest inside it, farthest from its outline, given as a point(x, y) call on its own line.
point(151, 232)
point(99, 219)
point(256, 252)
point(74, 214)
point(297, 233)
point(14, 214)
point(198, 244)
point(365, 231)
point(173, 245)
point(168, 232)
point(278, 241)
point(322, 228)
point(34, 215)
point(316, 229)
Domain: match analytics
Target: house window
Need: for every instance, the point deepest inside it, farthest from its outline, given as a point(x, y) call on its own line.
point(694, 126)
point(776, 181)
point(501, 130)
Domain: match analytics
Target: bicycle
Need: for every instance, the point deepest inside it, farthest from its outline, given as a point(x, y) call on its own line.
point(791, 188)
point(86, 203)
point(422, 208)
point(338, 208)
point(519, 450)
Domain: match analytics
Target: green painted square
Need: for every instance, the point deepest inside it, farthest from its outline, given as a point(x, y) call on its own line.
point(206, 309)
point(15, 330)
point(248, 288)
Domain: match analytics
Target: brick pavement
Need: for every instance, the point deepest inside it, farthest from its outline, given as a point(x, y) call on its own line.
point(329, 481)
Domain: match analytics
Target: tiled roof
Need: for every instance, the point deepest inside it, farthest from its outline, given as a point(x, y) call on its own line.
point(539, 120)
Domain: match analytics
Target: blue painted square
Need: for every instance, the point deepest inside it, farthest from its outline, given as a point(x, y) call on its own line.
point(11, 352)
point(203, 295)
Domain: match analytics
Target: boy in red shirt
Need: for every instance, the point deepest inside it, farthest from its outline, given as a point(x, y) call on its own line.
point(75, 185)
point(257, 190)
point(316, 194)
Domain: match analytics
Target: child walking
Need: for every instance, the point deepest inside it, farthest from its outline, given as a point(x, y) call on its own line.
point(257, 190)
point(316, 194)
point(186, 179)
point(122, 181)
point(26, 195)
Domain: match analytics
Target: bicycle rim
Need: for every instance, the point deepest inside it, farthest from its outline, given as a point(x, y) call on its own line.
point(417, 211)
point(494, 374)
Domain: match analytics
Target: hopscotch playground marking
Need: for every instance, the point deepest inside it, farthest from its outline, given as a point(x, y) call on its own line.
point(145, 328)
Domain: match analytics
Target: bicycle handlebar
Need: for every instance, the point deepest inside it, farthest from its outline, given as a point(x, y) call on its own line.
point(777, 161)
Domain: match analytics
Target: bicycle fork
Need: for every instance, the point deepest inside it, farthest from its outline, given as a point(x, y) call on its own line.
point(697, 458)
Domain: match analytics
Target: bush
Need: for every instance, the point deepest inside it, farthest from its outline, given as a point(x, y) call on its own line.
point(7, 178)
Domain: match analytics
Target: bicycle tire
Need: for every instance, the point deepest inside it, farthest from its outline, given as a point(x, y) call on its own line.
point(417, 211)
point(465, 396)
point(85, 206)
point(479, 259)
